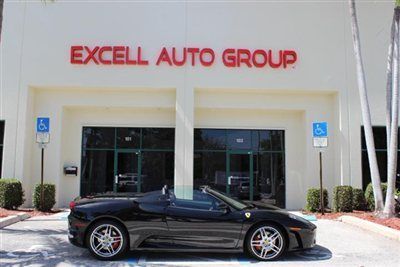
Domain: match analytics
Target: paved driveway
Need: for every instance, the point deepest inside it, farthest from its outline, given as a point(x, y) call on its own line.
point(42, 241)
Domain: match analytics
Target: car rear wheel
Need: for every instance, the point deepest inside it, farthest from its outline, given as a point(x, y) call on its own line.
point(107, 240)
point(266, 242)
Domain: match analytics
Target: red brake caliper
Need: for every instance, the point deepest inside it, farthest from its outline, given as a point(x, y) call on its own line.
point(258, 237)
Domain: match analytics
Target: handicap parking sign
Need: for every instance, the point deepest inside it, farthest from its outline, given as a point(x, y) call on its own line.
point(320, 129)
point(43, 125)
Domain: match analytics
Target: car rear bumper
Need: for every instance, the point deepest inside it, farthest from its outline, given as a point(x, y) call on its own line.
point(76, 231)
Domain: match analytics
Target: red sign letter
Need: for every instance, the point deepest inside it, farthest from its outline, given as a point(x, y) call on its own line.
point(76, 54)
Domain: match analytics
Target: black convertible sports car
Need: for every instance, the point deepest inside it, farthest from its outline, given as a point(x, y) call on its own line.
point(109, 225)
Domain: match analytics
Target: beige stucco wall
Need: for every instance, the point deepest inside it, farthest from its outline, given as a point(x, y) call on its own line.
point(38, 80)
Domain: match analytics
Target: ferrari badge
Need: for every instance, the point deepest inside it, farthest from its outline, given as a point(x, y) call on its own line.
point(247, 214)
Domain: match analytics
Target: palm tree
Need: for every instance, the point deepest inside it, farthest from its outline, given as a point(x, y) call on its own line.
point(366, 115)
point(392, 111)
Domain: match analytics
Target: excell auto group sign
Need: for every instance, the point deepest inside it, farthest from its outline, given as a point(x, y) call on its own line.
point(206, 57)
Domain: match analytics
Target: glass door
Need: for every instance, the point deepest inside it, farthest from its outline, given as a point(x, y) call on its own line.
point(240, 174)
point(127, 171)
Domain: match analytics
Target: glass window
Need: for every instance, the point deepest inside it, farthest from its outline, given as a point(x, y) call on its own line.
point(239, 139)
point(214, 139)
point(379, 137)
point(269, 178)
point(265, 140)
point(98, 137)
point(381, 154)
point(128, 138)
point(158, 138)
point(97, 171)
point(210, 169)
point(277, 140)
point(201, 201)
point(157, 170)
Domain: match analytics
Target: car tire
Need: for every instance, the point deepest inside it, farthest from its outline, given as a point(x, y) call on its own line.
point(266, 242)
point(107, 240)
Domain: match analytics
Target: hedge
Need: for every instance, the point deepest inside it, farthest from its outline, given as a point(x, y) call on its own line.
point(359, 202)
point(342, 198)
point(11, 193)
point(49, 197)
point(313, 199)
point(369, 195)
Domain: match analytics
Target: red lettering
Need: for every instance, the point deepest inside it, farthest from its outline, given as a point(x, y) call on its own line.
point(203, 57)
point(228, 58)
point(244, 56)
point(289, 57)
point(118, 55)
point(101, 56)
point(139, 57)
point(271, 61)
point(76, 55)
point(91, 54)
point(262, 58)
point(128, 61)
point(193, 51)
point(164, 57)
point(174, 57)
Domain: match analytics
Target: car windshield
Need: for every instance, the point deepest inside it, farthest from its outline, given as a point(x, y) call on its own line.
point(232, 202)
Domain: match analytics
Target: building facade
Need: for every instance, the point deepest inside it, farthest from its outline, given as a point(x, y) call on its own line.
point(186, 93)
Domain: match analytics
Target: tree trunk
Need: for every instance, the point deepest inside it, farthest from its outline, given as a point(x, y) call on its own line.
point(366, 115)
point(389, 85)
point(392, 149)
point(1, 16)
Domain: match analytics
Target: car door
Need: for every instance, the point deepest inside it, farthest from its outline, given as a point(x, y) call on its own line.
point(199, 223)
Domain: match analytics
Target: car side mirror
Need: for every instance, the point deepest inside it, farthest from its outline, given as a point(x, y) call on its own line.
point(223, 207)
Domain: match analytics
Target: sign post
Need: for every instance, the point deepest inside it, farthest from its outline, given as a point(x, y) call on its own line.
point(42, 138)
point(320, 140)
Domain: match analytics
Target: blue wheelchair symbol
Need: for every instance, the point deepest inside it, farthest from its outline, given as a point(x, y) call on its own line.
point(320, 129)
point(43, 125)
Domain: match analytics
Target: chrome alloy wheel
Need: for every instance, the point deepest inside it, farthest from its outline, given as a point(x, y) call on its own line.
point(106, 240)
point(266, 242)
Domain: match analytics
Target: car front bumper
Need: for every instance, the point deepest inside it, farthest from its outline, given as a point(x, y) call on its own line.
point(302, 239)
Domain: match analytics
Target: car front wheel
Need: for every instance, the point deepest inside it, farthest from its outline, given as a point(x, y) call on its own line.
point(107, 240)
point(266, 242)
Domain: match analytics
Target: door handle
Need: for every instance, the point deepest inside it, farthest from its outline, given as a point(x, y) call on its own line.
point(116, 179)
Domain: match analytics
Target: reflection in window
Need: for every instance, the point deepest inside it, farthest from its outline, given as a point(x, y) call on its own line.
point(381, 154)
point(157, 170)
point(128, 138)
point(210, 139)
point(98, 137)
point(158, 138)
point(210, 169)
point(97, 171)
point(239, 139)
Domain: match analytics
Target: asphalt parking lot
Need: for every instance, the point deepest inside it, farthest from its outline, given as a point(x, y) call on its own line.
point(42, 241)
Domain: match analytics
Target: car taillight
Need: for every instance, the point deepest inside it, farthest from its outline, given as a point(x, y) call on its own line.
point(72, 205)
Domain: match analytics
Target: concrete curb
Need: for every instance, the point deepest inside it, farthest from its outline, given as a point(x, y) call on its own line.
point(13, 219)
point(372, 227)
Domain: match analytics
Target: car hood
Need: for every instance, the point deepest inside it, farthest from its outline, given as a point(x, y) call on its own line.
point(266, 206)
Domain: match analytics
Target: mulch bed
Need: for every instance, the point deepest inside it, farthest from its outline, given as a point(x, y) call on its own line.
point(369, 216)
point(32, 212)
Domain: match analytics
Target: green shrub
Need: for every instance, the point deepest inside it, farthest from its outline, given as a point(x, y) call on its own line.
point(397, 205)
point(49, 197)
point(11, 193)
point(343, 198)
point(359, 202)
point(313, 199)
point(369, 195)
